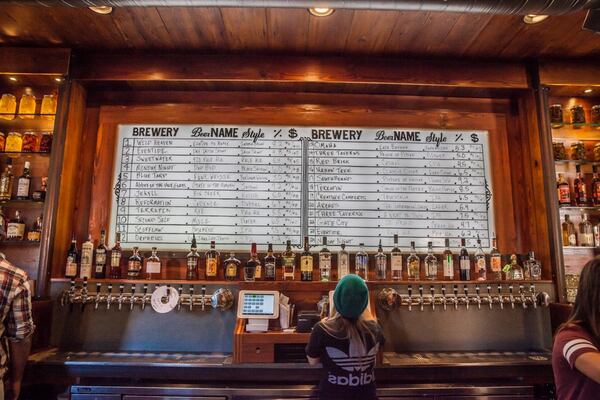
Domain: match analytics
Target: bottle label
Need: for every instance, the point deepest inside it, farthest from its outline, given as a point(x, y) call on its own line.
point(343, 265)
point(324, 262)
point(86, 257)
point(413, 269)
point(481, 264)
point(71, 269)
point(86, 271)
point(34, 236)
point(306, 264)
point(448, 266)
point(23, 188)
point(289, 267)
point(258, 271)
point(465, 264)
point(134, 266)
point(115, 259)
point(211, 267)
point(231, 270)
point(572, 240)
point(153, 267)
point(587, 239)
point(496, 263)
point(15, 230)
point(396, 262)
point(101, 257)
point(270, 270)
point(564, 195)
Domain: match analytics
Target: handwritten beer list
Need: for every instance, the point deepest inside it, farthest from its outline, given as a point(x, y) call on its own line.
point(424, 186)
point(243, 184)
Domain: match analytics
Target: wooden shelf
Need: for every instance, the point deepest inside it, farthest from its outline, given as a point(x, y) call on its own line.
point(19, 243)
point(19, 154)
point(22, 203)
point(577, 162)
point(575, 208)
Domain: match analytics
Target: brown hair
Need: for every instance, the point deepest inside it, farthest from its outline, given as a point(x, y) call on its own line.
point(586, 311)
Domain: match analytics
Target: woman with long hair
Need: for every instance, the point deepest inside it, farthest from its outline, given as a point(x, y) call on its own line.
point(347, 344)
point(575, 356)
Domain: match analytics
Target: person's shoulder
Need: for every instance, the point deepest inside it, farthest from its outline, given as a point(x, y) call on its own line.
point(373, 325)
point(572, 330)
point(11, 272)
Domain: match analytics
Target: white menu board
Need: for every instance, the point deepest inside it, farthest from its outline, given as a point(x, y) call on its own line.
point(243, 184)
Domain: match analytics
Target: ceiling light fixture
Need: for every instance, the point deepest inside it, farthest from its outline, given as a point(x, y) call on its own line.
point(588, 91)
point(102, 9)
point(57, 79)
point(321, 11)
point(534, 18)
point(12, 78)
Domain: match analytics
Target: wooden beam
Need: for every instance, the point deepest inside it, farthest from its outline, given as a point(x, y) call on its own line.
point(570, 73)
point(45, 61)
point(334, 70)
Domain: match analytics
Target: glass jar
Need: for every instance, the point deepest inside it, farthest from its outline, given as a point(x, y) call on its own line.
point(30, 142)
point(577, 115)
point(578, 151)
point(595, 116)
point(49, 104)
point(597, 152)
point(8, 106)
point(27, 105)
point(14, 142)
point(2, 140)
point(46, 142)
point(556, 115)
point(560, 153)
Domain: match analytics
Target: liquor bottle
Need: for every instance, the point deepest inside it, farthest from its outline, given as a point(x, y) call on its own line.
point(40, 194)
point(232, 265)
point(212, 261)
point(6, 181)
point(87, 254)
point(192, 260)
point(23, 183)
point(413, 264)
point(361, 262)
point(153, 265)
point(448, 263)
point(580, 188)
point(564, 191)
point(569, 234)
point(100, 269)
point(597, 235)
point(464, 262)
point(595, 187)
point(380, 263)
point(35, 234)
point(251, 265)
point(586, 232)
point(15, 230)
point(306, 262)
point(343, 261)
point(270, 263)
point(288, 261)
point(495, 261)
point(71, 266)
point(396, 261)
point(431, 263)
point(134, 264)
point(115, 258)
point(514, 272)
point(325, 262)
point(480, 262)
point(535, 268)
point(2, 225)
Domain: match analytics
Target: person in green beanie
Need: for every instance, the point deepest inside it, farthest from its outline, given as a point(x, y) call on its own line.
point(347, 344)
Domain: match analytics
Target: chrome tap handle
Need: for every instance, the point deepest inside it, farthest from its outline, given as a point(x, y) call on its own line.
point(409, 297)
point(144, 296)
point(97, 301)
point(522, 295)
point(489, 295)
point(120, 299)
point(455, 289)
point(421, 297)
point(180, 291)
point(432, 291)
point(500, 297)
point(478, 298)
point(533, 296)
point(203, 296)
point(109, 297)
point(84, 293)
point(444, 297)
point(512, 299)
point(467, 301)
point(132, 297)
point(191, 297)
point(72, 288)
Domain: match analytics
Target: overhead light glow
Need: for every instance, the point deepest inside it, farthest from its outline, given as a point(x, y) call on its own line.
point(12, 78)
point(533, 18)
point(57, 79)
point(321, 11)
point(102, 9)
point(588, 91)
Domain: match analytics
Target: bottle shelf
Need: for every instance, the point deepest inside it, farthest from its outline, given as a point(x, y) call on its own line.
point(575, 126)
point(575, 208)
point(18, 116)
point(26, 203)
point(582, 248)
point(19, 243)
point(19, 154)
point(577, 162)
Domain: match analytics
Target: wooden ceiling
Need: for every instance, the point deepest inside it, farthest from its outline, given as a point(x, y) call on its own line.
point(294, 31)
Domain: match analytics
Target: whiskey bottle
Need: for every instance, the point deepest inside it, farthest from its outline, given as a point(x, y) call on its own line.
point(100, 269)
point(495, 261)
point(343, 261)
point(480, 262)
point(6, 181)
point(595, 187)
point(2, 225)
point(134, 264)
point(580, 188)
point(35, 234)
point(361, 262)
point(597, 235)
point(232, 265)
point(71, 266)
point(306, 262)
point(431, 263)
point(192, 260)
point(325, 262)
point(212, 261)
point(23, 183)
point(569, 234)
point(270, 263)
point(288, 261)
point(534, 266)
point(413, 264)
point(40, 194)
point(586, 232)
point(251, 265)
point(396, 261)
point(448, 263)
point(380, 263)
point(115, 258)
point(15, 230)
point(153, 265)
point(564, 191)
point(464, 262)
point(514, 272)
point(87, 253)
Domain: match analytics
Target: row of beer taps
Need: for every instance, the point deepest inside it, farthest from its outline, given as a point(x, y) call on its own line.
point(221, 299)
point(517, 295)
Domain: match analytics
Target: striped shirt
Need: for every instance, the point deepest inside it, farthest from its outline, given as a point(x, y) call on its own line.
point(15, 309)
point(569, 344)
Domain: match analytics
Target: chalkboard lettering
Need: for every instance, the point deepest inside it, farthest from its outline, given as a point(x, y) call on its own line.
point(336, 134)
point(154, 131)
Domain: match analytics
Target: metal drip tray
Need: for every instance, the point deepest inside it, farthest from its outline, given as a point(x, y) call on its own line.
point(467, 358)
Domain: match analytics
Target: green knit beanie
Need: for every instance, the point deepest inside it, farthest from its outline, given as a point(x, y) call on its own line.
point(351, 296)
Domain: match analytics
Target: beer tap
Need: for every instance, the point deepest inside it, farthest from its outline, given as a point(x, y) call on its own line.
point(455, 297)
point(84, 293)
point(144, 296)
point(533, 296)
point(444, 297)
point(500, 297)
point(120, 299)
point(132, 297)
point(478, 298)
point(203, 296)
point(489, 295)
point(67, 296)
point(522, 295)
point(409, 297)
point(421, 297)
point(191, 297)
point(512, 299)
point(97, 301)
point(466, 290)
point(180, 291)
point(432, 291)
point(109, 297)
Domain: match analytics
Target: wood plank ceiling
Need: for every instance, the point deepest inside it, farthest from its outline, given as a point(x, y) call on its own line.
point(294, 31)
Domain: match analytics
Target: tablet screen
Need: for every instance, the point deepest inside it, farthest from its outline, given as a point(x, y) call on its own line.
point(258, 304)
